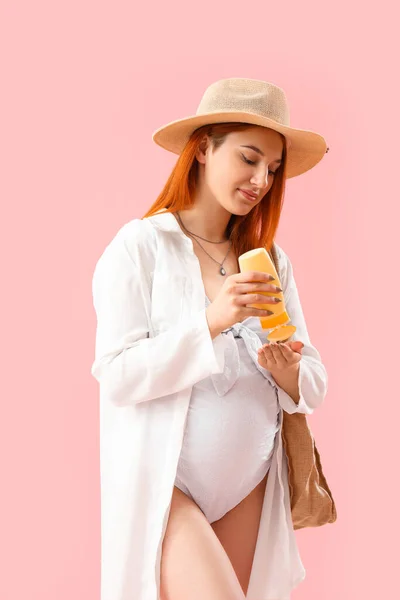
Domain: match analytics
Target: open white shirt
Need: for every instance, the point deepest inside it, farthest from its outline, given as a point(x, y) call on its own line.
point(152, 345)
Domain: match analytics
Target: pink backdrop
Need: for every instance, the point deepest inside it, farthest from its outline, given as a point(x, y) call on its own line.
point(84, 84)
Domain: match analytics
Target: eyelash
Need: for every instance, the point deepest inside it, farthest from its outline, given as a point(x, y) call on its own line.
point(251, 162)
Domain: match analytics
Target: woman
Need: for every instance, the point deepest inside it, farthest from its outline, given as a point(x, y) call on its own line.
point(194, 491)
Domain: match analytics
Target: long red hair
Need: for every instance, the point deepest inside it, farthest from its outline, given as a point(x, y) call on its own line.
point(256, 229)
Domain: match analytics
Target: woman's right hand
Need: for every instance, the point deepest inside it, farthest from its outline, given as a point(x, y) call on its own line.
point(238, 290)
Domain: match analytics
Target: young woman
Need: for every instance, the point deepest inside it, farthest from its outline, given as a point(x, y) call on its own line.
point(194, 487)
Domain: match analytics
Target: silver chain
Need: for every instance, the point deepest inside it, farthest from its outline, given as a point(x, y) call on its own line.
point(221, 270)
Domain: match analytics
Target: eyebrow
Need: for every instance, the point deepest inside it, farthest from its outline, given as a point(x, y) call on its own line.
point(260, 152)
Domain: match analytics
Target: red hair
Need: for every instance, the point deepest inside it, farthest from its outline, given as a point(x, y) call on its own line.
point(256, 229)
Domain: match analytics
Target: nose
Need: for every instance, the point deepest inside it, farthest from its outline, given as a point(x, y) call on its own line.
point(260, 179)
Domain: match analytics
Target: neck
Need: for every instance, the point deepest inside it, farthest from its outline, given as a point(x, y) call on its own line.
point(208, 222)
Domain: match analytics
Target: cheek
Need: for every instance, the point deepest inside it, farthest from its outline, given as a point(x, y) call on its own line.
point(220, 178)
point(224, 177)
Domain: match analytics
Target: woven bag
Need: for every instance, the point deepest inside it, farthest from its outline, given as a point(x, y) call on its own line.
point(311, 500)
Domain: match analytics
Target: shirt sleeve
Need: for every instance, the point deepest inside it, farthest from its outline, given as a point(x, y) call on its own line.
point(130, 365)
point(313, 379)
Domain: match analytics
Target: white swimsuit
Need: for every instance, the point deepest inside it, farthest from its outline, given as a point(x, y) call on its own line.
point(231, 426)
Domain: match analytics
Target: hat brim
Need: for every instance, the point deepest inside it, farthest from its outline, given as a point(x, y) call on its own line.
point(307, 148)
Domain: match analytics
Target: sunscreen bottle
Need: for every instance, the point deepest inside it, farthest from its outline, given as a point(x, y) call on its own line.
point(259, 260)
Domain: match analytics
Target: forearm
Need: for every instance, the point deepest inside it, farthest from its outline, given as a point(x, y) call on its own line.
point(288, 380)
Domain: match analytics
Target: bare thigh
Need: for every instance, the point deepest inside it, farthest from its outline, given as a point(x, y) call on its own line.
point(238, 532)
point(194, 563)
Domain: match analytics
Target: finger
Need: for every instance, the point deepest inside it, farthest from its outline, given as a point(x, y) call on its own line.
point(269, 354)
point(292, 356)
point(277, 354)
point(283, 357)
point(266, 359)
point(287, 352)
point(296, 346)
point(263, 361)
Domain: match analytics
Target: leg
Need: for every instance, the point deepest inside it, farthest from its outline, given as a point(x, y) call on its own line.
point(193, 562)
point(238, 532)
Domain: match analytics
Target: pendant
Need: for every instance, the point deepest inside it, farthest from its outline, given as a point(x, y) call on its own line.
point(222, 271)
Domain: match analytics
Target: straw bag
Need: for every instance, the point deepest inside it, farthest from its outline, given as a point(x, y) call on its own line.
point(311, 500)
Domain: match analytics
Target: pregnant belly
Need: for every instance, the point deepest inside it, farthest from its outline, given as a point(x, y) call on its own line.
point(237, 430)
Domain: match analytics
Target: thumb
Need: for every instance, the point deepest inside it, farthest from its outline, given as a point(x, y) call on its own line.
point(296, 346)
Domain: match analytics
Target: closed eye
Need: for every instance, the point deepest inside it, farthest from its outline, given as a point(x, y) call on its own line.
point(252, 162)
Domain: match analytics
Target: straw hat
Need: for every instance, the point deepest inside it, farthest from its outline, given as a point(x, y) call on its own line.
point(247, 101)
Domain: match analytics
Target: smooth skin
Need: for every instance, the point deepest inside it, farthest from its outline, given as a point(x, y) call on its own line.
point(203, 561)
point(209, 561)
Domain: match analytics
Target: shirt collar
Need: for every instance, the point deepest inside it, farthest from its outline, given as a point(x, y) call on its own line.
point(165, 221)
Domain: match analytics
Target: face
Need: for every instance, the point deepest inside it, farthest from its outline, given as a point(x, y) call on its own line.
point(234, 166)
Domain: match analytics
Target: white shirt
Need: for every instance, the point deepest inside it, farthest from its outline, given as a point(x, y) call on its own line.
point(152, 346)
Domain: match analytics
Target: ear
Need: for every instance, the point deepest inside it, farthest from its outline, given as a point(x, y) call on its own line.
point(202, 149)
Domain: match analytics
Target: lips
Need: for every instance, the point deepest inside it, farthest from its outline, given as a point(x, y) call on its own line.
point(249, 195)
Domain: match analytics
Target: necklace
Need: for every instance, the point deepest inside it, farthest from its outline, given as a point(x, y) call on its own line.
point(221, 270)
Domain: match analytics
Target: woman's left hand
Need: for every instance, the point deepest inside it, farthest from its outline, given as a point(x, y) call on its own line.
point(280, 356)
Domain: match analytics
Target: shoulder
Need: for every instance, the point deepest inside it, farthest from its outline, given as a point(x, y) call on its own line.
point(133, 241)
point(285, 268)
point(134, 233)
point(283, 257)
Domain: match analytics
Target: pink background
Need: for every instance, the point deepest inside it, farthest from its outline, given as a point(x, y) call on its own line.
point(84, 85)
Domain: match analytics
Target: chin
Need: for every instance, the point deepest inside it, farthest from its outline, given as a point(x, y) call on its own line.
point(237, 206)
point(240, 212)
point(242, 208)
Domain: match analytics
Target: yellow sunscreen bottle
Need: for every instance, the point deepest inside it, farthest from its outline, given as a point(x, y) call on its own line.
point(259, 260)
